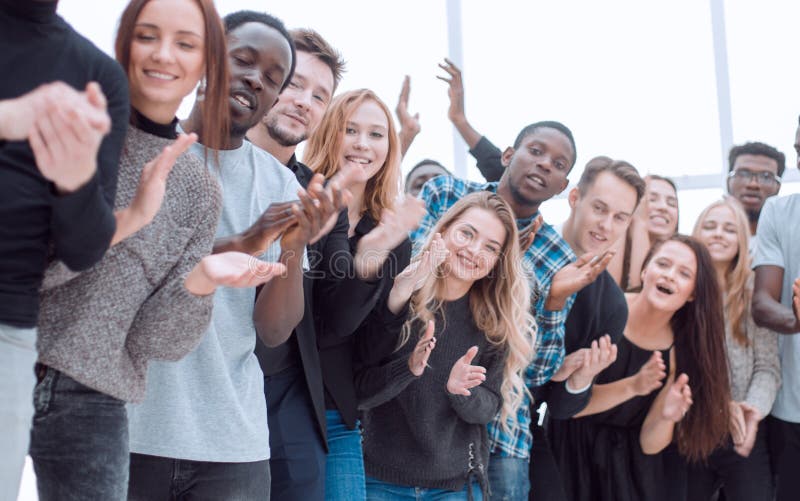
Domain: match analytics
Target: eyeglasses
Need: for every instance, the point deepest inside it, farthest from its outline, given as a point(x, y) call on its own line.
point(762, 178)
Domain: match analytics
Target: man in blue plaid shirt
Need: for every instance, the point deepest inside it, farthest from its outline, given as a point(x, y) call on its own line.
point(536, 169)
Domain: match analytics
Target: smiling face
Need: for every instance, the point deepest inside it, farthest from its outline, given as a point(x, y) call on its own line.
point(601, 215)
point(166, 57)
point(259, 59)
point(301, 105)
point(718, 231)
point(475, 241)
point(366, 139)
point(662, 209)
point(538, 168)
point(668, 280)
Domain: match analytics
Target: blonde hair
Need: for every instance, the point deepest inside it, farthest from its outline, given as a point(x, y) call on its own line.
point(324, 150)
point(499, 302)
point(739, 283)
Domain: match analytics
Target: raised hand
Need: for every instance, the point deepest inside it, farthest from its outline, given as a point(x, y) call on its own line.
point(528, 233)
point(678, 399)
point(329, 200)
point(393, 228)
point(651, 376)
point(19, 115)
point(422, 352)
point(455, 90)
point(596, 358)
point(574, 277)
point(256, 239)
point(230, 269)
point(409, 124)
point(465, 376)
point(150, 192)
point(413, 277)
point(66, 135)
point(572, 362)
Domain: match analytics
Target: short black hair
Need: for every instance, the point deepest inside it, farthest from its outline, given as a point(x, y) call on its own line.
point(240, 17)
point(548, 124)
point(756, 148)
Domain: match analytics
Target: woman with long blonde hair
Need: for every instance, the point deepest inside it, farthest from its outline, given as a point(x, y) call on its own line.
point(467, 295)
point(742, 467)
point(357, 139)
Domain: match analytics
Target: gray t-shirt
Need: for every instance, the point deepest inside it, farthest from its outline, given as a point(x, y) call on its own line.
point(779, 245)
point(210, 405)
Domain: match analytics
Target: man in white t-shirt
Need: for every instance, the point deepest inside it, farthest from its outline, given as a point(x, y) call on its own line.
point(777, 268)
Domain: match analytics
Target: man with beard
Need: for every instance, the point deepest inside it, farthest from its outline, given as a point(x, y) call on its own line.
point(755, 171)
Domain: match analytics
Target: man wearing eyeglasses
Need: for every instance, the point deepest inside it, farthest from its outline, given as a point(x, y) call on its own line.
point(755, 175)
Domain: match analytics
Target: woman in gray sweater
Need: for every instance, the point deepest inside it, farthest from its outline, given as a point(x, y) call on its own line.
point(742, 468)
point(465, 303)
point(150, 296)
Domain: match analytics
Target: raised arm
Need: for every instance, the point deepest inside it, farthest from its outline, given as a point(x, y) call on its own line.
point(486, 153)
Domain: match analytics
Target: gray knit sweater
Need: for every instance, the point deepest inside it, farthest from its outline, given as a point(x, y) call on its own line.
point(755, 369)
point(418, 434)
point(101, 326)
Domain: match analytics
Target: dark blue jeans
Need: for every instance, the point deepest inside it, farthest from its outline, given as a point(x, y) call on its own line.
point(155, 478)
point(79, 440)
point(297, 453)
point(508, 478)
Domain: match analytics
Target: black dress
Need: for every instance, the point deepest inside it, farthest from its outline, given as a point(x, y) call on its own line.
point(600, 457)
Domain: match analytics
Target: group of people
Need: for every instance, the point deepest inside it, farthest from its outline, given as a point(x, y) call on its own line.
point(188, 311)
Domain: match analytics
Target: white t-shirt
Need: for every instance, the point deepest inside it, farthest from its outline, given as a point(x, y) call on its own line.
point(210, 405)
point(779, 245)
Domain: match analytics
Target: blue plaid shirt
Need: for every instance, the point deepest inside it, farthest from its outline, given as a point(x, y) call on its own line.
point(548, 254)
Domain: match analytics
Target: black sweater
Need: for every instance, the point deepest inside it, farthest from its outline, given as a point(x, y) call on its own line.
point(418, 434)
point(36, 224)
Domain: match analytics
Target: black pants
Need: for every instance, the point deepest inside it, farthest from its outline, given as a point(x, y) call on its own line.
point(741, 479)
point(546, 483)
point(297, 454)
point(784, 441)
point(155, 478)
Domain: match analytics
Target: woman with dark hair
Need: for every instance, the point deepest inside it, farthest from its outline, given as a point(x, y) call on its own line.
point(655, 219)
point(742, 467)
point(150, 296)
point(673, 342)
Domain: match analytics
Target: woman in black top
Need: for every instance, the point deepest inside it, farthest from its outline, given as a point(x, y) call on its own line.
point(430, 400)
point(357, 136)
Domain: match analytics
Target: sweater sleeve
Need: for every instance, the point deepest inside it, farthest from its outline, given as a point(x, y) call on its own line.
point(381, 372)
point(489, 159)
point(766, 377)
point(342, 300)
point(172, 321)
point(485, 400)
point(83, 222)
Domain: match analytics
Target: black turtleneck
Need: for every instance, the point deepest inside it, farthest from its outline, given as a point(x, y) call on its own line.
point(37, 224)
point(167, 131)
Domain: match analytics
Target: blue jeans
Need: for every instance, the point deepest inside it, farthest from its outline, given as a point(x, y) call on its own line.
point(17, 356)
point(79, 440)
point(344, 470)
point(378, 490)
point(508, 478)
point(155, 478)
